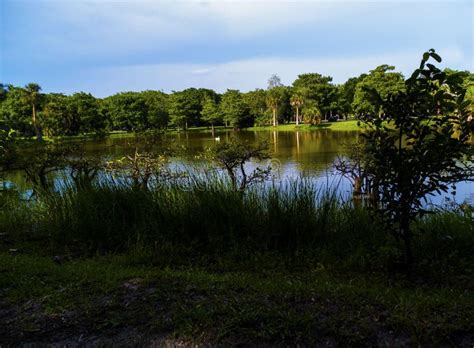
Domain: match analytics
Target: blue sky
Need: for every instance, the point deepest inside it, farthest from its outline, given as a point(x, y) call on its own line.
point(104, 46)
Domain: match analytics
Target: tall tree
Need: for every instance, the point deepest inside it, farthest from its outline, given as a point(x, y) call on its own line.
point(274, 97)
point(320, 90)
point(157, 108)
point(256, 102)
point(384, 81)
point(234, 109)
point(346, 94)
point(32, 94)
point(15, 111)
point(210, 113)
point(297, 100)
point(127, 111)
point(274, 81)
point(185, 107)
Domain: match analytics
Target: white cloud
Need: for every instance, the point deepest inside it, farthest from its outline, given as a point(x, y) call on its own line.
point(247, 74)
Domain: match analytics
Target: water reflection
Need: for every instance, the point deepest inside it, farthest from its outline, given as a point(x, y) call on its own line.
point(299, 153)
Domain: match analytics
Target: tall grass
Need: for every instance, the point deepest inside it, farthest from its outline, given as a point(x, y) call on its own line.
point(201, 215)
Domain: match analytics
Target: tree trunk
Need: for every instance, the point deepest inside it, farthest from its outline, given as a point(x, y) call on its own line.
point(297, 116)
point(274, 118)
point(37, 131)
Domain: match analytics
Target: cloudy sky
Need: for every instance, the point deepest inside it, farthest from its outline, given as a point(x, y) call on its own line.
point(105, 46)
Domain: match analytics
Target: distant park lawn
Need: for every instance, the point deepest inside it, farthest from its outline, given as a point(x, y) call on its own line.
point(350, 125)
point(334, 126)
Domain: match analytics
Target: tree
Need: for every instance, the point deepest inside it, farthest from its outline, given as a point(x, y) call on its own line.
point(346, 94)
point(274, 81)
point(276, 100)
point(319, 89)
point(210, 113)
point(418, 145)
point(37, 165)
point(185, 107)
point(257, 105)
point(157, 108)
point(15, 112)
point(311, 113)
point(56, 116)
point(234, 109)
point(32, 96)
point(297, 101)
point(232, 157)
point(84, 109)
point(383, 81)
point(127, 111)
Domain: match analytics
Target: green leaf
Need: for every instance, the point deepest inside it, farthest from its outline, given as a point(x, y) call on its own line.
point(426, 56)
point(436, 57)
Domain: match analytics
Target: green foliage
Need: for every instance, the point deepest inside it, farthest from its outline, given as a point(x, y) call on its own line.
point(157, 109)
point(426, 148)
point(71, 115)
point(210, 112)
point(256, 102)
point(346, 95)
point(15, 112)
point(279, 104)
point(311, 113)
point(184, 108)
point(127, 111)
point(385, 82)
point(234, 109)
point(319, 90)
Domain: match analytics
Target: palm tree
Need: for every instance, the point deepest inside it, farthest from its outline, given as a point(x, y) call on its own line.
point(273, 102)
point(32, 97)
point(297, 100)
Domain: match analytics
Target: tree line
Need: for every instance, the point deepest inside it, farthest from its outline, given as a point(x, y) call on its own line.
point(310, 99)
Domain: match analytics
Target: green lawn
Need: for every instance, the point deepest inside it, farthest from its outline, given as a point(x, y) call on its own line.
point(334, 126)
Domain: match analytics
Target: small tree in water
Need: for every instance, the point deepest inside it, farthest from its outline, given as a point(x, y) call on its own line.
point(232, 157)
point(418, 145)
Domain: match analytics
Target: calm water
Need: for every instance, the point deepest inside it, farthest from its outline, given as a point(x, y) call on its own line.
point(294, 154)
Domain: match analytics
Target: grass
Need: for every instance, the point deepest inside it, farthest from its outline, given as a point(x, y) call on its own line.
point(334, 126)
point(198, 263)
point(106, 295)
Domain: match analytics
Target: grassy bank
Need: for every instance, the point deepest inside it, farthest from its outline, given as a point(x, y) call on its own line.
point(201, 263)
point(334, 126)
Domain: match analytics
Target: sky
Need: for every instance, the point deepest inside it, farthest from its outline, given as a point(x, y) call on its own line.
point(105, 46)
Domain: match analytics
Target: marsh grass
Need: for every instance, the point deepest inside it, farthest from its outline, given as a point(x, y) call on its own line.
point(200, 218)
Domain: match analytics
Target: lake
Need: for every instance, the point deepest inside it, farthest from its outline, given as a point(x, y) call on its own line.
point(309, 153)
